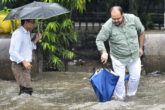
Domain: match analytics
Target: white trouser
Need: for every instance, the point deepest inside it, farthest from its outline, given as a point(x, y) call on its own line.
point(134, 68)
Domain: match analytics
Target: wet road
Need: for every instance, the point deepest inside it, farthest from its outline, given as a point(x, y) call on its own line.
point(72, 91)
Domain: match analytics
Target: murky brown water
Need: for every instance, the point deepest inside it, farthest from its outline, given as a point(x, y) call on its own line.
point(72, 91)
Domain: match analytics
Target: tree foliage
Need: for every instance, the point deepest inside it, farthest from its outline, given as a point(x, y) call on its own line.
point(59, 35)
point(4, 1)
point(141, 9)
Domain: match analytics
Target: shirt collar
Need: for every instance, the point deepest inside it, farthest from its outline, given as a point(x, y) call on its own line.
point(125, 19)
point(24, 30)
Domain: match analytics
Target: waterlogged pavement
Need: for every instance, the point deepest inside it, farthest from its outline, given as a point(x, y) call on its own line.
point(72, 91)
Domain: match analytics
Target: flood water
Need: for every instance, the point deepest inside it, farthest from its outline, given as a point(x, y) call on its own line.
point(72, 91)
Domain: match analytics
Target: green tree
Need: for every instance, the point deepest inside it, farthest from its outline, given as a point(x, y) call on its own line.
point(4, 1)
point(59, 35)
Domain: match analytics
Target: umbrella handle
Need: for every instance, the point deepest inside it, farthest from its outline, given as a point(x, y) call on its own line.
point(38, 27)
point(104, 67)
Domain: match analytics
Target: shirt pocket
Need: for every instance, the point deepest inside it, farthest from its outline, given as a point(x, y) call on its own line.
point(132, 32)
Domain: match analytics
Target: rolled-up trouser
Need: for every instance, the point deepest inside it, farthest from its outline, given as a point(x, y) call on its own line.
point(21, 74)
point(134, 69)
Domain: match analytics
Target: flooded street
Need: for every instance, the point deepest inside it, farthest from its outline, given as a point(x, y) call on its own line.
point(72, 91)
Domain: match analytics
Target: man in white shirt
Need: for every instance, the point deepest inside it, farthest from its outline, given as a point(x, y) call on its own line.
point(20, 52)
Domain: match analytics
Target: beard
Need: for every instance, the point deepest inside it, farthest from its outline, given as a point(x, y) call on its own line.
point(118, 23)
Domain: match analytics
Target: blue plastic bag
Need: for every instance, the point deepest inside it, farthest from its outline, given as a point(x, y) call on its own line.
point(127, 78)
point(104, 83)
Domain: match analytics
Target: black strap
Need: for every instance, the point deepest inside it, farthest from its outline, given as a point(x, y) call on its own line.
point(103, 65)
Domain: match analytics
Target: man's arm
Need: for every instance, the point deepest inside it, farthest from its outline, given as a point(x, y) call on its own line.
point(101, 38)
point(141, 43)
point(141, 34)
point(38, 37)
point(15, 45)
point(26, 64)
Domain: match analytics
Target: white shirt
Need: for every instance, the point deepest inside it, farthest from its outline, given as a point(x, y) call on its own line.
point(21, 46)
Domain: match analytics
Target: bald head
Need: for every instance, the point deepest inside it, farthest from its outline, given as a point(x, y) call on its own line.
point(116, 9)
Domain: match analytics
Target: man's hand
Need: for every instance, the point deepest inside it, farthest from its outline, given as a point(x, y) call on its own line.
point(104, 57)
point(27, 65)
point(37, 38)
point(140, 52)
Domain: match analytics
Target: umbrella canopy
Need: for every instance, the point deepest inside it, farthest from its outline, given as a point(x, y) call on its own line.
point(36, 10)
point(104, 83)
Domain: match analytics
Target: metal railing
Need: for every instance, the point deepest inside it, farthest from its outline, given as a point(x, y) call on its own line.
point(90, 19)
point(101, 17)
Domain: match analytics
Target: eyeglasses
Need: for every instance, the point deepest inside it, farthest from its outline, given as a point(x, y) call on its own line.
point(116, 19)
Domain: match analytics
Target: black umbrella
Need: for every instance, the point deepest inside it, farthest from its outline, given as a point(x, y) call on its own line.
point(36, 10)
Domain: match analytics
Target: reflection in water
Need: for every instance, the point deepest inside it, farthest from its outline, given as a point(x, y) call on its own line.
point(72, 91)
